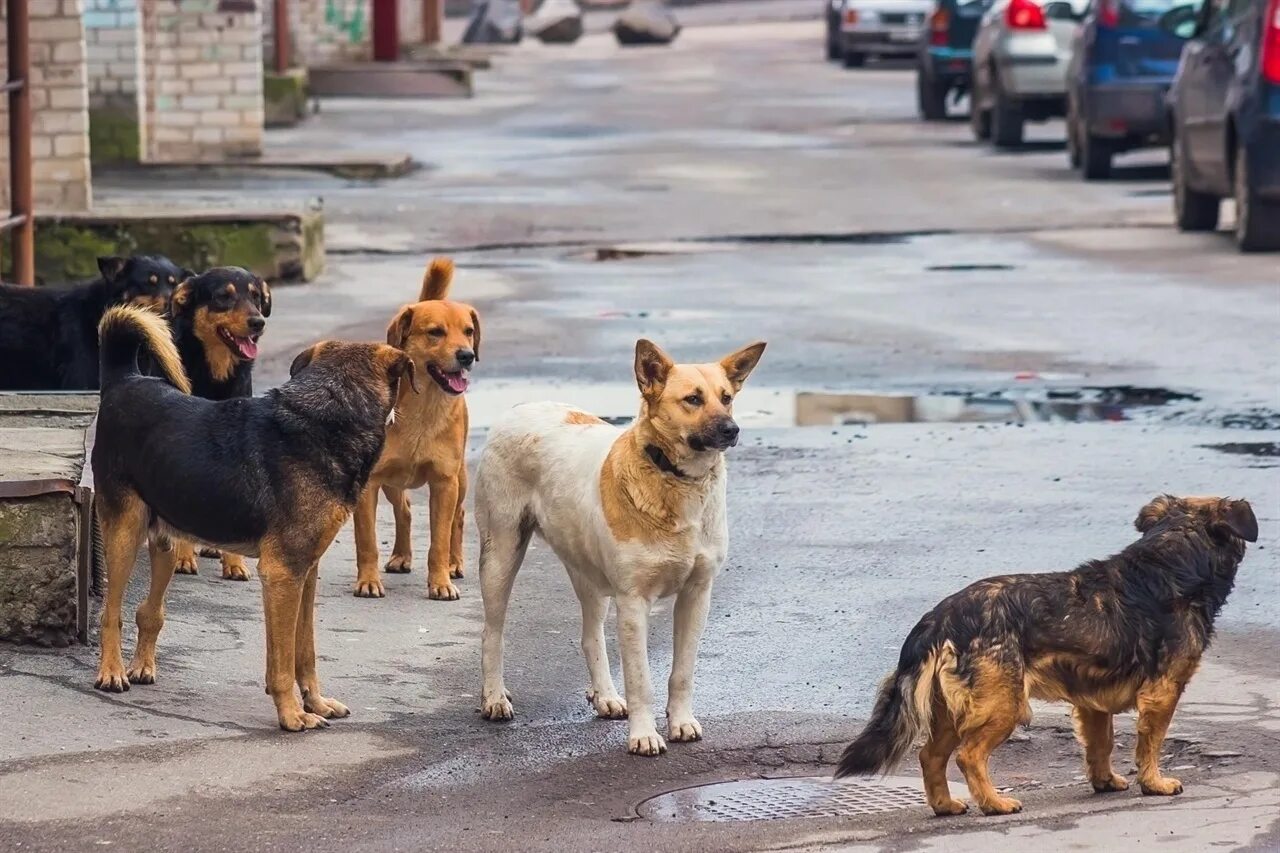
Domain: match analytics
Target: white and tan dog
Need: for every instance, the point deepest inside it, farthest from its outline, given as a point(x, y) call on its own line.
point(634, 516)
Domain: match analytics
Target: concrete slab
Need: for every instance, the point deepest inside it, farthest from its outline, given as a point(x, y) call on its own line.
point(360, 164)
point(410, 79)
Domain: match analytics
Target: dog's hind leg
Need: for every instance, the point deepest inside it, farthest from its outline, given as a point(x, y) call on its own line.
point(690, 619)
point(502, 548)
point(124, 523)
point(603, 694)
point(368, 581)
point(1096, 733)
point(459, 519)
point(150, 615)
point(282, 592)
point(633, 639)
point(305, 655)
point(1156, 703)
point(934, 755)
point(184, 557)
point(996, 705)
point(401, 561)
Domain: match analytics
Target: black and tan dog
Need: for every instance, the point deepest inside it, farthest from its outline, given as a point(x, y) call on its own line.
point(217, 318)
point(274, 477)
point(1113, 635)
point(49, 335)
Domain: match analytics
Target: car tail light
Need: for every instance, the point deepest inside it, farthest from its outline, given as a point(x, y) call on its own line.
point(1109, 13)
point(939, 23)
point(1271, 43)
point(1024, 15)
point(851, 16)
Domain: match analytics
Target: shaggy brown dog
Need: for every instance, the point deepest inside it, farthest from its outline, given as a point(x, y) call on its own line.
point(1113, 635)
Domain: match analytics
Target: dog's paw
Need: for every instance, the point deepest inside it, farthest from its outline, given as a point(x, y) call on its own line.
point(498, 709)
point(443, 591)
point(369, 588)
point(142, 672)
point(399, 564)
point(684, 731)
point(234, 569)
point(212, 553)
point(608, 707)
point(297, 721)
point(1161, 786)
point(112, 678)
point(646, 743)
point(455, 570)
point(951, 807)
point(1001, 805)
point(330, 709)
point(1115, 783)
point(185, 564)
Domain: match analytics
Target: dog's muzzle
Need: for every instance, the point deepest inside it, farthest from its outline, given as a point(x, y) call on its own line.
point(719, 435)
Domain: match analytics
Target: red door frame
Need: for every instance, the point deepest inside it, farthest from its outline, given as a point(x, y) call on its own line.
point(386, 30)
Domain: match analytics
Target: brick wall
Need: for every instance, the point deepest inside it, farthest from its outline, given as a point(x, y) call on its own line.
point(202, 81)
point(322, 31)
point(113, 41)
point(59, 102)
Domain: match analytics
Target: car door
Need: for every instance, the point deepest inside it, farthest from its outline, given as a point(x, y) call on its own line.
point(1218, 61)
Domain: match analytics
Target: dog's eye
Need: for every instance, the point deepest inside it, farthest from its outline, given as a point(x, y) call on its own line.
point(436, 332)
point(726, 399)
point(694, 399)
point(468, 331)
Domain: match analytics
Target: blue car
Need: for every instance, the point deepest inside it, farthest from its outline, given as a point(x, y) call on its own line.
point(1225, 104)
point(1122, 63)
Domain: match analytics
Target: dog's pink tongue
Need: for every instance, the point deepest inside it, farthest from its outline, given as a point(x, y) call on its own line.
point(458, 382)
point(248, 347)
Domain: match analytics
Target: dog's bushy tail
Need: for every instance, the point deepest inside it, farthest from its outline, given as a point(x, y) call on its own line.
point(437, 280)
point(902, 711)
point(124, 331)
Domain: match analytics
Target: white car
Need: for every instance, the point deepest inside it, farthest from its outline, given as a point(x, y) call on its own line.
point(881, 28)
point(1020, 58)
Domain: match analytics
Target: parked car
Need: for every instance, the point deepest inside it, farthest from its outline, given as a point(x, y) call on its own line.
point(880, 28)
point(1020, 58)
point(1225, 103)
point(1122, 63)
point(946, 55)
point(833, 10)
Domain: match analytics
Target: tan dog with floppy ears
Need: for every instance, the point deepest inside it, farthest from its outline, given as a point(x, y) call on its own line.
point(427, 443)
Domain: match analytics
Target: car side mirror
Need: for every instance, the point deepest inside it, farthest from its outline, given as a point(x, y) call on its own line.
point(1185, 22)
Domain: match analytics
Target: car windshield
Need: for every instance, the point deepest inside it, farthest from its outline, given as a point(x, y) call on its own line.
point(1146, 12)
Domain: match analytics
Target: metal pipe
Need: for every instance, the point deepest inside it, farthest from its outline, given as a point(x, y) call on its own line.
point(20, 182)
point(280, 28)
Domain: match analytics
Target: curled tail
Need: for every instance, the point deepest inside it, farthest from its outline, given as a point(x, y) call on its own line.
point(903, 709)
point(437, 280)
point(124, 331)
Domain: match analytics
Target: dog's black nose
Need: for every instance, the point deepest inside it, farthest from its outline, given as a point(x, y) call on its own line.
point(257, 324)
point(728, 430)
point(465, 357)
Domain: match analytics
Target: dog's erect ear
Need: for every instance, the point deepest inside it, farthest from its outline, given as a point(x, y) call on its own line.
point(398, 331)
point(266, 298)
point(184, 274)
point(1238, 518)
point(437, 280)
point(475, 337)
point(403, 368)
point(1149, 516)
point(653, 366)
point(180, 297)
point(303, 359)
point(739, 365)
point(111, 267)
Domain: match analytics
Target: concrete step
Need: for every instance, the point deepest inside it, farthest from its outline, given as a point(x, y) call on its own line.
point(426, 79)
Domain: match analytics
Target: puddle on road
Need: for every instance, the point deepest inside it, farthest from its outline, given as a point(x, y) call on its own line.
point(618, 402)
point(1267, 452)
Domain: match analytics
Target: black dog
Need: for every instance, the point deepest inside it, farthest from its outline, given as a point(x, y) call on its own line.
point(217, 318)
point(274, 477)
point(49, 336)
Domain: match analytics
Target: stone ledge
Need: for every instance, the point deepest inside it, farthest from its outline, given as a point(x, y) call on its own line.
point(284, 97)
point(357, 165)
point(428, 79)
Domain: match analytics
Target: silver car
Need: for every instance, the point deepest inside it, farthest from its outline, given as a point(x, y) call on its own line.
point(881, 28)
point(1020, 58)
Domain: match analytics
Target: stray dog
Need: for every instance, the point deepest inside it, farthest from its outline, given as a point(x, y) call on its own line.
point(428, 442)
point(1115, 634)
point(217, 318)
point(49, 335)
point(273, 477)
point(634, 516)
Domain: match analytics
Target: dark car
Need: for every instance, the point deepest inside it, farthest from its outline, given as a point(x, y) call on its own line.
point(1122, 63)
point(946, 55)
point(833, 10)
point(1225, 103)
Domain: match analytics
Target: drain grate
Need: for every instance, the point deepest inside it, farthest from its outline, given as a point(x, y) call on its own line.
point(787, 798)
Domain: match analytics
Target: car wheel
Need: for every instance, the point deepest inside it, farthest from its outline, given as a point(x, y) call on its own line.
point(979, 119)
point(833, 49)
point(1095, 156)
point(1073, 138)
point(854, 60)
point(1192, 209)
point(931, 98)
point(1257, 221)
point(1006, 118)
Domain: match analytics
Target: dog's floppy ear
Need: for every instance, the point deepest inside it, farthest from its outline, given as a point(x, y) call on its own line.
point(739, 365)
point(304, 358)
point(1149, 516)
point(111, 267)
point(437, 280)
point(180, 297)
point(398, 331)
point(1238, 518)
point(266, 298)
point(475, 337)
point(404, 368)
point(653, 366)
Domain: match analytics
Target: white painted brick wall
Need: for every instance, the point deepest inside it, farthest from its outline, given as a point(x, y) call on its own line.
point(322, 31)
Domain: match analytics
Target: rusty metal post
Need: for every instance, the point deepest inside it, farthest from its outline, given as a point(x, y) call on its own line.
point(20, 186)
point(432, 21)
point(280, 29)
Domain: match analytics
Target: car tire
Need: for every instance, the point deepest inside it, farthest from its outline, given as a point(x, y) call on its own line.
point(1192, 209)
point(1095, 156)
point(1007, 122)
point(979, 119)
point(1073, 138)
point(931, 98)
point(854, 60)
point(1257, 220)
point(833, 49)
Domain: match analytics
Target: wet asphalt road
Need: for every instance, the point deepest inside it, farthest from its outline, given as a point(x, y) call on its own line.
point(812, 211)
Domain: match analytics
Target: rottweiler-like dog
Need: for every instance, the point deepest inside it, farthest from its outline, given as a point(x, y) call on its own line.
point(1113, 635)
point(217, 318)
point(273, 477)
point(49, 335)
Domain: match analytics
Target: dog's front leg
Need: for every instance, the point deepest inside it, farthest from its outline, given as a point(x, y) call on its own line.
point(692, 604)
point(368, 581)
point(282, 592)
point(444, 507)
point(305, 655)
point(633, 638)
point(1156, 702)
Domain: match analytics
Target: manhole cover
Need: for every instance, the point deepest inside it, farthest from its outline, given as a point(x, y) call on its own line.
point(794, 797)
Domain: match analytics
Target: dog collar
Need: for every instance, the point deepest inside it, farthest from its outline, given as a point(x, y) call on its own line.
point(663, 462)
